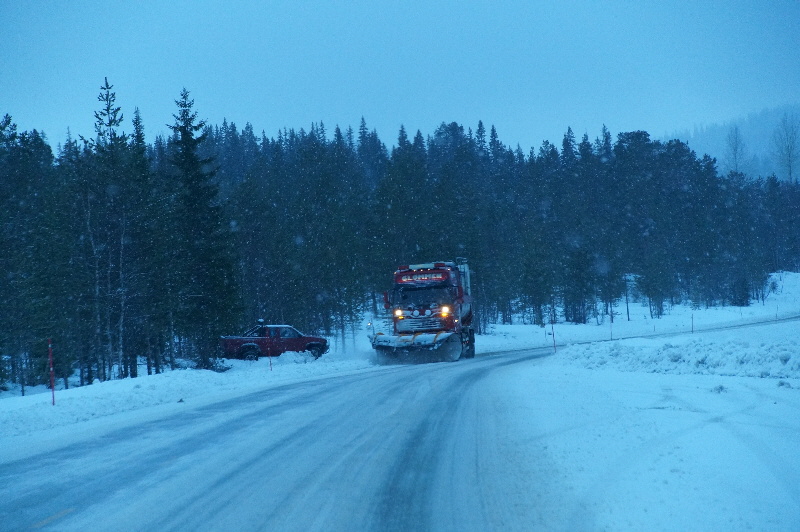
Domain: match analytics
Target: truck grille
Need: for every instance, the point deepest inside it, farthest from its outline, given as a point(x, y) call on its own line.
point(419, 324)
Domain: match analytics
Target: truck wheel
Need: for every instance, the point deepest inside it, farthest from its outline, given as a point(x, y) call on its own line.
point(471, 346)
point(251, 353)
point(315, 351)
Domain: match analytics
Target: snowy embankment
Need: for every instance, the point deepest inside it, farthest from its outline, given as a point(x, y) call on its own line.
point(762, 340)
point(685, 341)
point(762, 351)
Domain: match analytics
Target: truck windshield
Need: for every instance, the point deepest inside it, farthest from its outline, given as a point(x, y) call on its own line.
point(422, 296)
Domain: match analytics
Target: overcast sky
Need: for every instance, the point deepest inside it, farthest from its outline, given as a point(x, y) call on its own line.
point(531, 68)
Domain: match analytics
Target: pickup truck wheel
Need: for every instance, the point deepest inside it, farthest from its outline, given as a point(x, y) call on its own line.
point(315, 351)
point(251, 353)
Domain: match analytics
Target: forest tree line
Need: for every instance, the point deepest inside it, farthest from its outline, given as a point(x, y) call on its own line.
point(126, 252)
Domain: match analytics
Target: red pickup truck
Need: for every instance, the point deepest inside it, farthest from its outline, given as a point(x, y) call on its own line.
point(271, 340)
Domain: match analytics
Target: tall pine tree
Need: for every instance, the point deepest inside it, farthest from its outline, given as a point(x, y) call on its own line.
point(202, 281)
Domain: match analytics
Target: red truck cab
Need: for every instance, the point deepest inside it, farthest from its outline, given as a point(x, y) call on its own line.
point(271, 340)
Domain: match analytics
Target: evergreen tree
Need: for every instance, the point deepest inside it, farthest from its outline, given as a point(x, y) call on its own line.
point(259, 219)
point(114, 214)
point(402, 205)
point(77, 297)
point(573, 208)
point(28, 316)
point(454, 181)
point(202, 282)
point(480, 139)
point(349, 238)
point(142, 326)
point(372, 155)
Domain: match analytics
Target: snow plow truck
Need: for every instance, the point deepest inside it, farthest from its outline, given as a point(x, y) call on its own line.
point(431, 314)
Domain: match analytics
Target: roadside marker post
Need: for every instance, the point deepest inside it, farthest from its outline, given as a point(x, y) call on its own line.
point(52, 373)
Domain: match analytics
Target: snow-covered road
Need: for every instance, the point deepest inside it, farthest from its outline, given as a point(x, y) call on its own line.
point(506, 441)
point(394, 449)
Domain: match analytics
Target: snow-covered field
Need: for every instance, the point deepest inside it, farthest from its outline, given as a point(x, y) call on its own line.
point(654, 396)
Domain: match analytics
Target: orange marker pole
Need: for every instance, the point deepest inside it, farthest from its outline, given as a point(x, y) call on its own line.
point(52, 373)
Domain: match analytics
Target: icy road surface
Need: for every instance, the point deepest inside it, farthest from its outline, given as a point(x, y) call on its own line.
point(509, 441)
point(407, 447)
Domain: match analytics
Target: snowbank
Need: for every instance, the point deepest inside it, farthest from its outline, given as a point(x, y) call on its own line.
point(762, 340)
point(771, 350)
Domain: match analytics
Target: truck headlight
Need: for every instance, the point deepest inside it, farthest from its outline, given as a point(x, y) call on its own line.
point(398, 312)
point(445, 311)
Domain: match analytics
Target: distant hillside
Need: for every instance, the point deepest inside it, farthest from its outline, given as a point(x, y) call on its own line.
point(756, 131)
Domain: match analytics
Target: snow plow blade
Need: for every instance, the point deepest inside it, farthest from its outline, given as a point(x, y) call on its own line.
point(419, 347)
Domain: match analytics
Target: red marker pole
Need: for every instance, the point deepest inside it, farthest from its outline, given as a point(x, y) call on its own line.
point(52, 373)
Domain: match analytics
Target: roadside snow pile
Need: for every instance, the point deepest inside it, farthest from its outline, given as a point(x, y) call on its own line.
point(25, 414)
point(761, 340)
point(770, 350)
